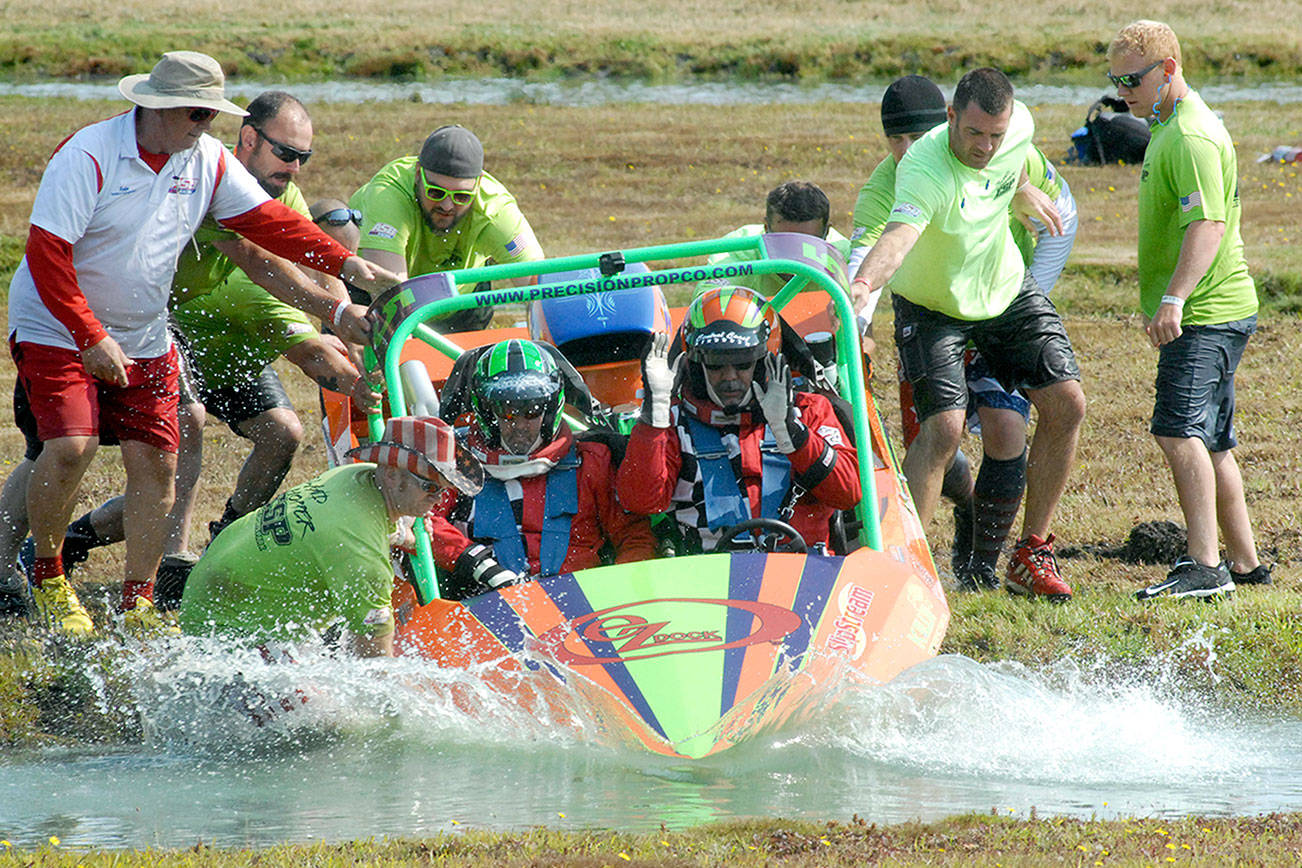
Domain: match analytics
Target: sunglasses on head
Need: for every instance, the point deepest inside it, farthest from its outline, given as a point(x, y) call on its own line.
point(199, 115)
point(284, 152)
point(1132, 79)
point(340, 217)
point(435, 193)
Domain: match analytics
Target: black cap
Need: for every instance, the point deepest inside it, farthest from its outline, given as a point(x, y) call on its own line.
point(454, 151)
point(912, 104)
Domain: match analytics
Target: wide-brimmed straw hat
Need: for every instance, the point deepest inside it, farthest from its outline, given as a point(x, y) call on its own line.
point(182, 79)
point(428, 447)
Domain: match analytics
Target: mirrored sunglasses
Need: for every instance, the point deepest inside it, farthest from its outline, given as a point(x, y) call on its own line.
point(340, 217)
point(1132, 80)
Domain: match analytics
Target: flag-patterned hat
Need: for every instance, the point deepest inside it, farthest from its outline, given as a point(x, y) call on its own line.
point(427, 447)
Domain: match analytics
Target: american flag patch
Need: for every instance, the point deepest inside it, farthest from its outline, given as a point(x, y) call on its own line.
point(519, 243)
point(1192, 201)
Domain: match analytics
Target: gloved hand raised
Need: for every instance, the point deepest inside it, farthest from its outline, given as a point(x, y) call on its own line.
point(658, 381)
point(777, 400)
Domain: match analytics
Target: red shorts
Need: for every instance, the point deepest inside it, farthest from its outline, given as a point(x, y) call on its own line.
point(68, 402)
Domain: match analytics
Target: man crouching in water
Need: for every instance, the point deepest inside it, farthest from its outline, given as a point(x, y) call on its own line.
point(319, 553)
point(732, 440)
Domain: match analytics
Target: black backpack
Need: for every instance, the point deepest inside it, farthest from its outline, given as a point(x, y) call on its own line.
point(1112, 136)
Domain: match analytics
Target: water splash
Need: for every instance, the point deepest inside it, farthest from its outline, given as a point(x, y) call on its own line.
point(953, 716)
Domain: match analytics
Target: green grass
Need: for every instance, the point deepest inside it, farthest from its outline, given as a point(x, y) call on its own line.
point(811, 40)
point(967, 840)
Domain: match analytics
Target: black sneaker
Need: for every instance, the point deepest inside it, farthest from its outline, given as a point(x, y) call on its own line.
point(13, 596)
point(1188, 578)
point(1259, 576)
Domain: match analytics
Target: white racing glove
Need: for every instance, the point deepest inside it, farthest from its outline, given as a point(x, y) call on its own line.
point(776, 400)
point(478, 568)
point(658, 380)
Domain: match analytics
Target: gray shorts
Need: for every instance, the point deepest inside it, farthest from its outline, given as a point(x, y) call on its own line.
point(1195, 383)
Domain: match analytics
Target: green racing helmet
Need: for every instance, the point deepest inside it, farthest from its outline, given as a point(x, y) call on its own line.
point(516, 376)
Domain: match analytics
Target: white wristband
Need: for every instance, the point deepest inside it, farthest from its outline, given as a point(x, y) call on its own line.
point(1173, 299)
point(338, 314)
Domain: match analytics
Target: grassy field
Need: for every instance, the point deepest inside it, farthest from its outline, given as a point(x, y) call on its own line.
point(548, 38)
point(971, 840)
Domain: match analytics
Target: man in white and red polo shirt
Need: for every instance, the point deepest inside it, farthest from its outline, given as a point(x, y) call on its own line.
point(88, 305)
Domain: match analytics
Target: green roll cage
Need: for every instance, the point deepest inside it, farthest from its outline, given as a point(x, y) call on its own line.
point(403, 312)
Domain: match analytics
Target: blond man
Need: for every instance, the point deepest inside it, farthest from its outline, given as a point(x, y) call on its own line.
point(1199, 302)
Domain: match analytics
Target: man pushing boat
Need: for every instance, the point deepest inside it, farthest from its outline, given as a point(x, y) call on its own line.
point(320, 552)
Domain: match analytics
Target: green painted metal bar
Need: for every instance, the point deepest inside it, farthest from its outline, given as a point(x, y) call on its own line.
point(803, 277)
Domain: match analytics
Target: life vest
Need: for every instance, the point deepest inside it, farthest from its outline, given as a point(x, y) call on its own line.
point(725, 503)
point(494, 519)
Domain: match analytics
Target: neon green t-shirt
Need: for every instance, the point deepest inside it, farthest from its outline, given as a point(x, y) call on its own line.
point(201, 267)
point(964, 264)
point(873, 207)
point(876, 197)
point(313, 555)
point(767, 285)
point(493, 229)
point(1191, 173)
point(1042, 174)
point(235, 328)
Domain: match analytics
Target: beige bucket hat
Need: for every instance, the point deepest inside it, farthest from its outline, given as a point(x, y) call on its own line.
point(182, 79)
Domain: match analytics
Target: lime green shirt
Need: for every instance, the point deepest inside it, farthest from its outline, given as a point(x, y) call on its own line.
point(234, 328)
point(1042, 174)
point(767, 285)
point(493, 229)
point(965, 263)
point(313, 555)
point(1191, 173)
point(237, 330)
point(201, 267)
point(873, 207)
point(876, 197)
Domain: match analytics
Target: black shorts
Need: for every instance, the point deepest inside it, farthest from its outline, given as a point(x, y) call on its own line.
point(1026, 347)
point(1195, 383)
point(237, 404)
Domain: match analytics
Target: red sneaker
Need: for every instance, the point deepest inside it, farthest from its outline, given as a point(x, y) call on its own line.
point(1033, 571)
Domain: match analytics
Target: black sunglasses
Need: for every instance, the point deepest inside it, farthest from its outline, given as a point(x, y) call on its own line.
point(199, 115)
point(284, 152)
point(1131, 80)
point(340, 217)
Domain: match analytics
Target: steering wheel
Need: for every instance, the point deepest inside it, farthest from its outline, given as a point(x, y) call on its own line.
point(771, 536)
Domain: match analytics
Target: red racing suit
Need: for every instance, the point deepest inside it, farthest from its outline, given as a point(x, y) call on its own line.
point(661, 471)
point(598, 518)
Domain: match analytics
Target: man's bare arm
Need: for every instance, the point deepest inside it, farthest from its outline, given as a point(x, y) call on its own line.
point(1202, 238)
point(1030, 202)
point(394, 262)
point(881, 263)
point(285, 281)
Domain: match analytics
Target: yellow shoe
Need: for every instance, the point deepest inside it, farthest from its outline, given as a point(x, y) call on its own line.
point(59, 608)
point(144, 619)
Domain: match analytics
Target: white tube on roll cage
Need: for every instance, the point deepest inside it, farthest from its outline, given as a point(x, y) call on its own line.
point(422, 400)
